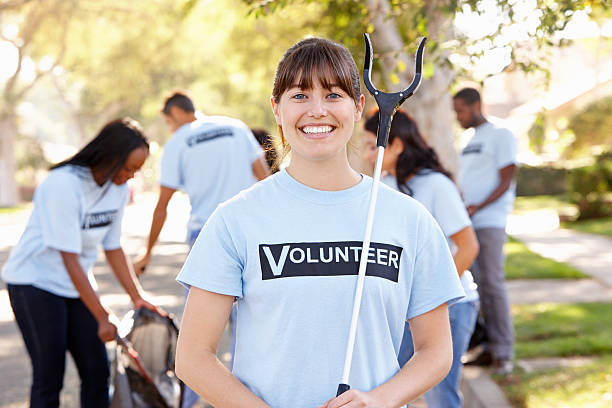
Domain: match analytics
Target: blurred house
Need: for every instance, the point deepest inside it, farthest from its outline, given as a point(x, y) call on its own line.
point(579, 75)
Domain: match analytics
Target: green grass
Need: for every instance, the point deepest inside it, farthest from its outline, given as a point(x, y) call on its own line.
point(521, 263)
point(544, 202)
point(586, 386)
point(561, 330)
point(571, 329)
point(10, 210)
point(602, 226)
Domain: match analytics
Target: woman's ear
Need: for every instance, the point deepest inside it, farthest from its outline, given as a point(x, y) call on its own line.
point(275, 111)
point(359, 108)
point(397, 146)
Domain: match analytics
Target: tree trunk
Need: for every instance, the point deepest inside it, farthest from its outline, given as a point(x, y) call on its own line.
point(8, 187)
point(431, 106)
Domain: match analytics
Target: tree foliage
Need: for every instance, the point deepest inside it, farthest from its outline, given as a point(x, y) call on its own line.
point(536, 24)
point(592, 126)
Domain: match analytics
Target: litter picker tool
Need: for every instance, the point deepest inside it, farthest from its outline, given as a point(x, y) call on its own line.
point(388, 103)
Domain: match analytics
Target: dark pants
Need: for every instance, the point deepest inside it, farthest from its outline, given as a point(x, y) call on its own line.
point(50, 326)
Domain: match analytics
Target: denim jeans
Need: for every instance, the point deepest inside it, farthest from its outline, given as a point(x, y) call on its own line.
point(462, 317)
point(51, 325)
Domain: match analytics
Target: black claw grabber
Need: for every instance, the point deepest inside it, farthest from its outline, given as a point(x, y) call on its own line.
point(388, 103)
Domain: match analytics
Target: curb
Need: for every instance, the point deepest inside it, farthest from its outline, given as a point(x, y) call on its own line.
point(480, 391)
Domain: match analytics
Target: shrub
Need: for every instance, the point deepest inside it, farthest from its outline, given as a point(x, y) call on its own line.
point(545, 180)
point(590, 188)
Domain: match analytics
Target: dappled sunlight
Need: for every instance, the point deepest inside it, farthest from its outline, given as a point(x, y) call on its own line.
point(534, 221)
point(123, 300)
point(6, 312)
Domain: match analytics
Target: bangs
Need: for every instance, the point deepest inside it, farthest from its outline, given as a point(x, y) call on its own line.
point(317, 60)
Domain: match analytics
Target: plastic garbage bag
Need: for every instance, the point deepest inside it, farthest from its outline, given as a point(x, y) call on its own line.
point(143, 371)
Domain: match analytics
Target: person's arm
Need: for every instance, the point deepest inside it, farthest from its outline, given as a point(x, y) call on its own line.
point(467, 248)
point(506, 175)
point(261, 170)
point(125, 275)
point(197, 364)
point(106, 329)
point(157, 223)
point(432, 359)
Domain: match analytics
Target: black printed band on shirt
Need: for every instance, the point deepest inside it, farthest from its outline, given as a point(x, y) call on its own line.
point(99, 219)
point(327, 259)
point(208, 135)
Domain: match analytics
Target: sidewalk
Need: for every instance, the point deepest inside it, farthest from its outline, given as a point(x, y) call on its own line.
point(591, 254)
point(159, 283)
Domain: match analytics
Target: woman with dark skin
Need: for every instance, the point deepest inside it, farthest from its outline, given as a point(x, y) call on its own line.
point(78, 207)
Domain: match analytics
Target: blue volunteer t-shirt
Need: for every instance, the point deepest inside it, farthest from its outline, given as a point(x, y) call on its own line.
point(211, 159)
point(71, 213)
point(290, 253)
point(441, 198)
point(488, 151)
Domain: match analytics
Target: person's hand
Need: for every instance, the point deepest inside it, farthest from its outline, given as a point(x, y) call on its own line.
point(140, 302)
point(141, 264)
point(353, 399)
point(471, 209)
point(107, 328)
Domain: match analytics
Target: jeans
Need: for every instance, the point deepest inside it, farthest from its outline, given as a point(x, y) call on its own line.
point(51, 325)
point(462, 317)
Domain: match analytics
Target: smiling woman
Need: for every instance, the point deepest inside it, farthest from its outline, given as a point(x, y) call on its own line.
point(288, 250)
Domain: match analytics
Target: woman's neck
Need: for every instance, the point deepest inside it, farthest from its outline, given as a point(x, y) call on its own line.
point(393, 171)
point(98, 176)
point(330, 175)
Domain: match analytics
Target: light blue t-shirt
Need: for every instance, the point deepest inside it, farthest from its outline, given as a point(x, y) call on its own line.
point(441, 198)
point(71, 213)
point(488, 151)
point(290, 254)
point(211, 159)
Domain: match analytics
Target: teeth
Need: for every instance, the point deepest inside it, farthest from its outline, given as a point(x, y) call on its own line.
point(317, 129)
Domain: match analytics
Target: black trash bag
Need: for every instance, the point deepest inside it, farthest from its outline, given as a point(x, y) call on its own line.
point(143, 372)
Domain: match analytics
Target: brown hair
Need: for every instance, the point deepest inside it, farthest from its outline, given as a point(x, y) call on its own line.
point(315, 59)
point(417, 155)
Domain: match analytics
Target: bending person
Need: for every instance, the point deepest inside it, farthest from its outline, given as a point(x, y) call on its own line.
point(211, 159)
point(288, 249)
point(49, 275)
point(413, 168)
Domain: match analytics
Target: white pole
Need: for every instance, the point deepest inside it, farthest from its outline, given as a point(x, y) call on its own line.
point(363, 262)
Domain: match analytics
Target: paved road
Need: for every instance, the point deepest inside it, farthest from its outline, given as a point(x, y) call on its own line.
point(158, 282)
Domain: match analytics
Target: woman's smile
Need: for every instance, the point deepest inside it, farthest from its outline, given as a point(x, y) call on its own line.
point(317, 131)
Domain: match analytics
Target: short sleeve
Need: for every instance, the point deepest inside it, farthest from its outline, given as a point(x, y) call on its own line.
point(213, 263)
point(112, 239)
point(57, 200)
point(505, 149)
point(435, 277)
point(448, 208)
point(171, 175)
